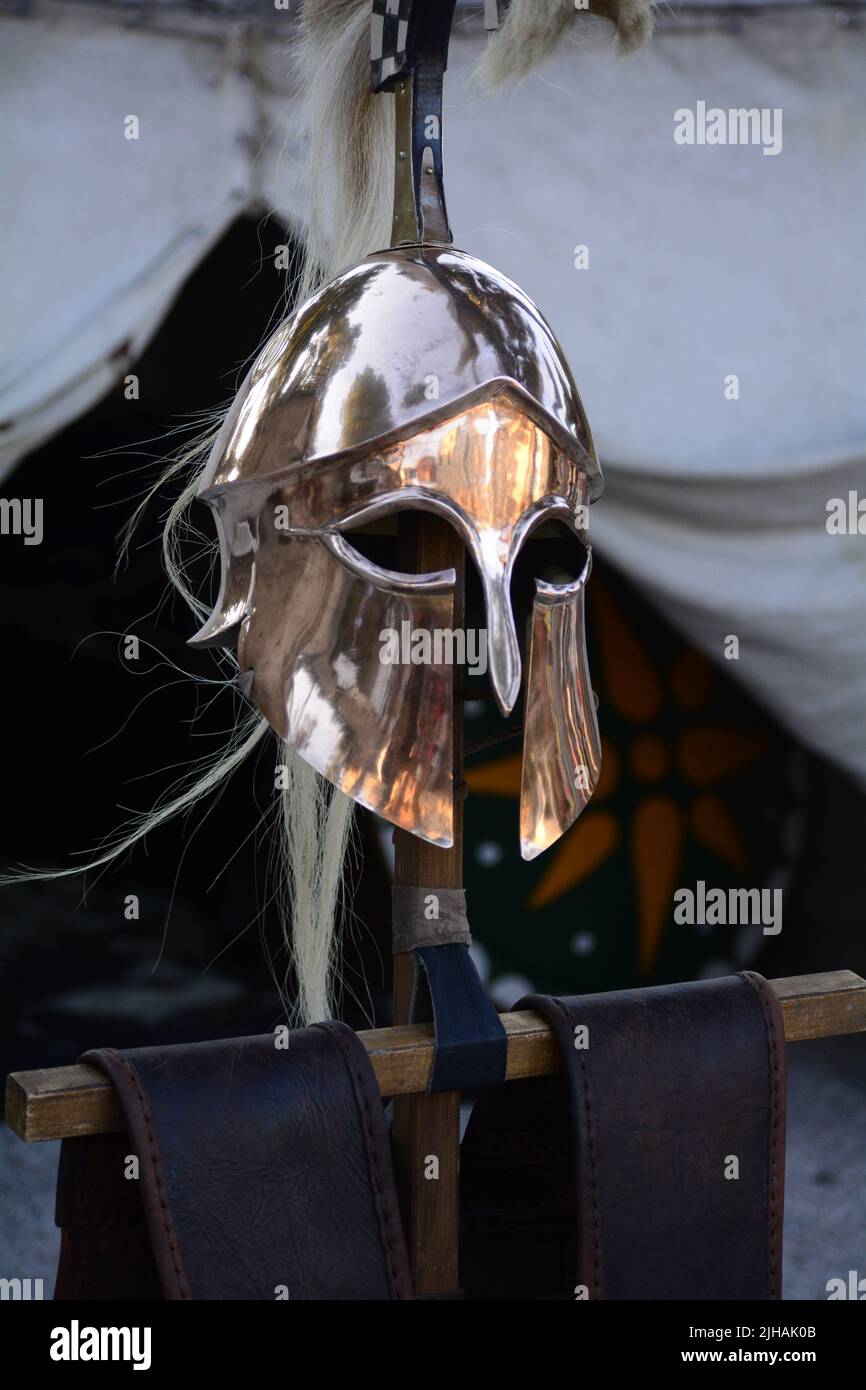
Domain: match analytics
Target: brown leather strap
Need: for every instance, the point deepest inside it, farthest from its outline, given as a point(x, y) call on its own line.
point(263, 1173)
point(652, 1169)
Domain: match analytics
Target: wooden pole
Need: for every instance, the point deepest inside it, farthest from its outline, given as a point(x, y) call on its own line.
point(67, 1102)
point(426, 1129)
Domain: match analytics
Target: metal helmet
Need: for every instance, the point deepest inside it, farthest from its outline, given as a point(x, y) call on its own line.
point(419, 378)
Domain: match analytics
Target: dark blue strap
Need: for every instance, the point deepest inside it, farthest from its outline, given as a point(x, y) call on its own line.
point(471, 1043)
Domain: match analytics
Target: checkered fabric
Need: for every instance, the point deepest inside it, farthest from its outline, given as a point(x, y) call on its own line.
point(494, 11)
point(389, 28)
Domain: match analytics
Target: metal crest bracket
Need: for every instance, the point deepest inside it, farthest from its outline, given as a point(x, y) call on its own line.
point(408, 55)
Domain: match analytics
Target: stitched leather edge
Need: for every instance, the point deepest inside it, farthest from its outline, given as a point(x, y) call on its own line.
point(559, 1017)
point(774, 1028)
point(589, 1114)
point(154, 1188)
point(377, 1149)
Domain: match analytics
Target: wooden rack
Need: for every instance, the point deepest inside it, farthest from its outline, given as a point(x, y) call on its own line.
point(64, 1102)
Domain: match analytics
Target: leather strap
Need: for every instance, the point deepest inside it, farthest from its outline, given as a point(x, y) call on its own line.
point(653, 1168)
point(471, 1044)
point(264, 1173)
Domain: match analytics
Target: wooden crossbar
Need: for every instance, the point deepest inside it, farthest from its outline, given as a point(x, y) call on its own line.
point(62, 1102)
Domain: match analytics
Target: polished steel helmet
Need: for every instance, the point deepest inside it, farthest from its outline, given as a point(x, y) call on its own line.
point(419, 378)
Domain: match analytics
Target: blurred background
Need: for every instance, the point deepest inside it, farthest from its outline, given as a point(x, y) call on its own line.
point(140, 276)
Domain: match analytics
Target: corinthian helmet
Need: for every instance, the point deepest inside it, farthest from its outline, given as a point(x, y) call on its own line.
point(419, 378)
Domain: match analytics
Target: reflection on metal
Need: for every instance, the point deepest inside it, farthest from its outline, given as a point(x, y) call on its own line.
point(561, 744)
point(403, 339)
point(420, 378)
point(381, 732)
point(404, 226)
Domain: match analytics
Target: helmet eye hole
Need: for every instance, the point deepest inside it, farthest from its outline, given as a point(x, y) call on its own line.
point(379, 541)
point(376, 541)
point(553, 553)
